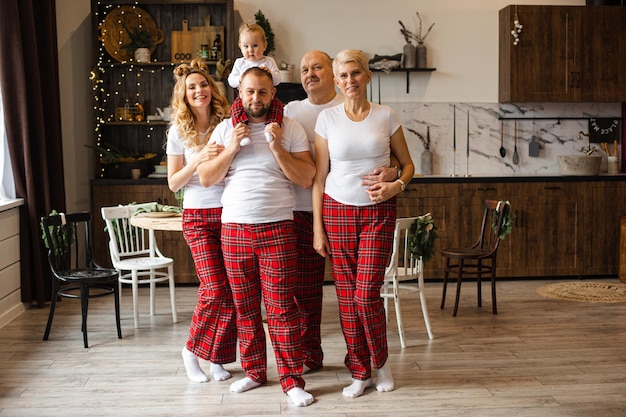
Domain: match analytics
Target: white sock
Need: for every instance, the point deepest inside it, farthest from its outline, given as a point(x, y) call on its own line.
point(384, 379)
point(218, 373)
point(243, 385)
point(357, 387)
point(300, 397)
point(192, 366)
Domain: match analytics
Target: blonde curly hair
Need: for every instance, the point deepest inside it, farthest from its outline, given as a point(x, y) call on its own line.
point(183, 118)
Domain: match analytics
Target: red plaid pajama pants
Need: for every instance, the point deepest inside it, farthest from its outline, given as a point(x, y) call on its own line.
point(309, 290)
point(213, 331)
point(360, 241)
point(261, 259)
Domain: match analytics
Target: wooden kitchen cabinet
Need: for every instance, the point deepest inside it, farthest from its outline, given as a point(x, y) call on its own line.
point(564, 54)
point(562, 227)
point(547, 234)
point(470, 214)
point(457, 210)
point(436, 199)
point(603, 78)
point(172, 244)
point(601, 227)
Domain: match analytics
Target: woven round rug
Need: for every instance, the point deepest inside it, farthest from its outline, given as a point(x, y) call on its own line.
point(585, 292)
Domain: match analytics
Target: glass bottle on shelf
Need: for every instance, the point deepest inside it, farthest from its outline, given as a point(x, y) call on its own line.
point(216, 53)
point(124, 112)
point(204, 51)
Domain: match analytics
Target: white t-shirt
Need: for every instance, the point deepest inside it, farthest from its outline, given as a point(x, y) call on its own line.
point(355, 149)
point(196, 195)
point(241, 65)
point(256, 189)
point(306, 114)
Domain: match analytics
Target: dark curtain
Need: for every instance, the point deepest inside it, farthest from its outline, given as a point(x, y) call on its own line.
point(29, 79)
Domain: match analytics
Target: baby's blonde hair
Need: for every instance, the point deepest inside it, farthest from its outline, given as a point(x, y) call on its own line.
point(254, 28)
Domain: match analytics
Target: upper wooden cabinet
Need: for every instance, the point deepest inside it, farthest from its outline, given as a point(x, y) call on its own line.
point(563, 54)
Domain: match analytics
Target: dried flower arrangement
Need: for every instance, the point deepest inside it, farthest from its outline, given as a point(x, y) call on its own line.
point(408, 35)
point(425, 140)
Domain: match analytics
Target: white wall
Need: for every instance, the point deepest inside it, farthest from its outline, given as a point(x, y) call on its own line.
point(463, 44)
point(74, 43)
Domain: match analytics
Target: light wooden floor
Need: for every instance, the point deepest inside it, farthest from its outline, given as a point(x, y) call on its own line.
point(538, 357)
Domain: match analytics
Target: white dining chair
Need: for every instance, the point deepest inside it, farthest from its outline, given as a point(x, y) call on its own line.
point(404, 267)
point(135, 254)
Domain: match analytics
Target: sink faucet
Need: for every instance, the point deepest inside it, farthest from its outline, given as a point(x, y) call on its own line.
point(588, 150)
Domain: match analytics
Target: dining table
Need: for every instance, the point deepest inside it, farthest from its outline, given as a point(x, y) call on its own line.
point(157, 220)
point(151, 221)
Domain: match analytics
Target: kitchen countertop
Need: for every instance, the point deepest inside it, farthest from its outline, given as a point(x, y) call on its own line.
point(10, 203)
point(423, 179)
point(433, 179)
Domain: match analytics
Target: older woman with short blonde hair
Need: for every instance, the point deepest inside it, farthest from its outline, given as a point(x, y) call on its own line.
point(354, 219)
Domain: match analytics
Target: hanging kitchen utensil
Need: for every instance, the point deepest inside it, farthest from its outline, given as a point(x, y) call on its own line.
point(515, 155)
point(533, 147)
point(502, 150)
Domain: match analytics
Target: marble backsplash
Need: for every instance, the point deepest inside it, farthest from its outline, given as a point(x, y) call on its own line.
point(555, 125)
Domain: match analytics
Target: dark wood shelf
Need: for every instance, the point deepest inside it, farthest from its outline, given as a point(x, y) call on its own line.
point(114, 64)
point(405, 70)
point(144, 123)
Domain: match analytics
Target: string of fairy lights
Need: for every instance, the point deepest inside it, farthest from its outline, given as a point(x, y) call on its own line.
point(106, 68)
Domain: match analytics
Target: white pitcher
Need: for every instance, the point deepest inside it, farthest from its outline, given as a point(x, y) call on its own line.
point(165, 114)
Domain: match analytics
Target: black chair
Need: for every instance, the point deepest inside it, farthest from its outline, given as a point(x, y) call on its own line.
point(75, 274)
point(471, 260)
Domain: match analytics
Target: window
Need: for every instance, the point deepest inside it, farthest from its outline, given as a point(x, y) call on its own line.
point(7, 184)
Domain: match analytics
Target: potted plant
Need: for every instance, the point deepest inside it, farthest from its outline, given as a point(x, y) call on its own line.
point(269, 33)
point(141, 43)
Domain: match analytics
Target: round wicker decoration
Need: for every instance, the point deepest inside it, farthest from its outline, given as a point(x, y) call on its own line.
point(585, 292)
point(114, 35)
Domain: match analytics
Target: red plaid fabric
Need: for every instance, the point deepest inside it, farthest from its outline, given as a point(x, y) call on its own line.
point(213, 331)
point(309, 290)
point(261, 259)
point(238, 115)
point(361, 239)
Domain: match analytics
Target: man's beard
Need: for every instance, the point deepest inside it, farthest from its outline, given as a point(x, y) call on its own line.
point(256, 113)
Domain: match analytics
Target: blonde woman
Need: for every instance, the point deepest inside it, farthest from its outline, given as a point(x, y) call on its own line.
point(353, 219)
point(197, 107)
